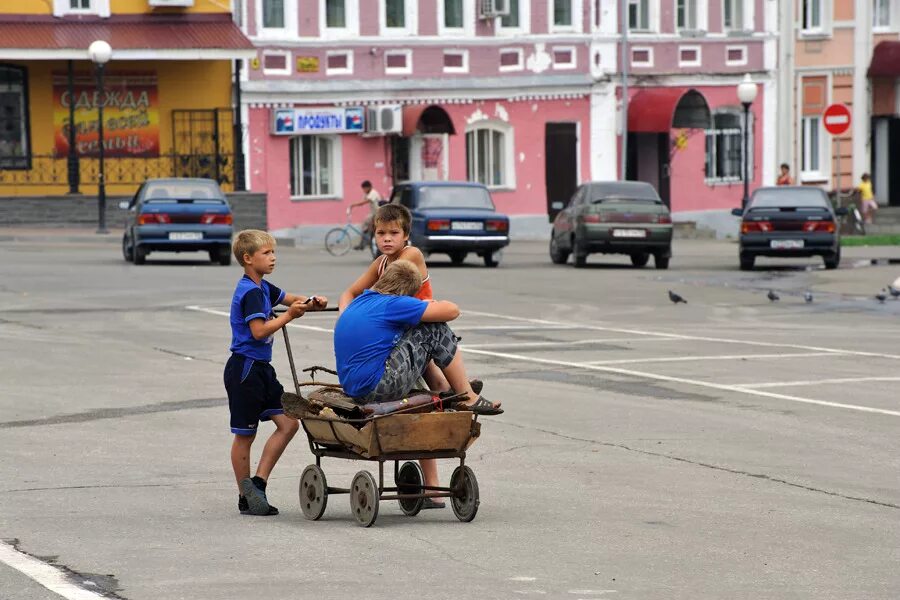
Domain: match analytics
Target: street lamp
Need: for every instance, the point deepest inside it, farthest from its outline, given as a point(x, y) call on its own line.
point(100, 53)
point(746, 92)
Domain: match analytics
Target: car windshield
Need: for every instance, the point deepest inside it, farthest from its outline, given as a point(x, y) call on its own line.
point(200, 192)
point(596, 200)
point(795, 197)
point(445, 196)
point(623, 191)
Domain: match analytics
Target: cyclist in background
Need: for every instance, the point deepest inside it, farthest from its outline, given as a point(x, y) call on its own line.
point(374, 200)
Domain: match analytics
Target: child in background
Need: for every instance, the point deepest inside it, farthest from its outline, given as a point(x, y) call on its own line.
point(867, 198)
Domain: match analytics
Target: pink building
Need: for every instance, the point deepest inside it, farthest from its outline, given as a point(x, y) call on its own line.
point(528, 103)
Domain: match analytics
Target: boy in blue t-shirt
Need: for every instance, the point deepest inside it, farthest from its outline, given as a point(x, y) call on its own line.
point(254, 393)
point(384, 339)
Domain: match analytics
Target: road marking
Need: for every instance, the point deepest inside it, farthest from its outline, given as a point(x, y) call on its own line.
point(566, 343)
point(698, 338)
point(816, 382)
point(50, 576)
point(682, 380)
point(222, 313)
point(511, 327)
point(634, 361)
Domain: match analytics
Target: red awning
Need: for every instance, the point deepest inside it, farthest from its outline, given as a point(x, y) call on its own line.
point(425, 118)
point(658, 110)
point(885, 60)
point(139, 37)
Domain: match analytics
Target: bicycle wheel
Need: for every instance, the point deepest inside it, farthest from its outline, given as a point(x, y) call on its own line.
point(338, 242)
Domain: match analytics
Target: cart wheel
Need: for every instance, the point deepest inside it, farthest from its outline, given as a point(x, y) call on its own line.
point(313, 492)
point(364, 499)
point(410, 480)
point(465, 494)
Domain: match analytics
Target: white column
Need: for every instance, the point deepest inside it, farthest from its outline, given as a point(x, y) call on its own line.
point(862, 102)
point(770, 132)
point(604, 160)
point(787, 41)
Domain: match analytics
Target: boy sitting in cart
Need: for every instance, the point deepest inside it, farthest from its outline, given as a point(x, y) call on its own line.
point(385, 338)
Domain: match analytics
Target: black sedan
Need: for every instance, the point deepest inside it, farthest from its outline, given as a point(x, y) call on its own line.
point(789, 221)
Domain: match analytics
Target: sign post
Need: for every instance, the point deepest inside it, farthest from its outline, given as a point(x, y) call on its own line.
point(836, 119)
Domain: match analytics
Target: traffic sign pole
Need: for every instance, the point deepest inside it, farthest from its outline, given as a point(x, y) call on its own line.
point(836, 119)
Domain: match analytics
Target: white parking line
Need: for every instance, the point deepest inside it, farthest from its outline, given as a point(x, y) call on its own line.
point(50, 576)
point(815, 382)
point(222, 313)
point(512, 327)
point(566, 343)
point(636, 361)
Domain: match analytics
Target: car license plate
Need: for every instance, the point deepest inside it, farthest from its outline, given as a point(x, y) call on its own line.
point(467, 225)
point(185, 235)
point(786, 244)
point(629, 233)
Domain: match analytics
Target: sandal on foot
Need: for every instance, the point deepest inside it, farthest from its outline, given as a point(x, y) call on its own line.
point(481, 407)
point(432, 503)
point(476, 384)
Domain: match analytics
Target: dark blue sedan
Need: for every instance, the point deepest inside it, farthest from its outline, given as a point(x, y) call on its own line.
point(178, 215)
point(454, 218)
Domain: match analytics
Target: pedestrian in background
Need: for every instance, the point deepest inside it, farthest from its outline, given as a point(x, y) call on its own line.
point(785, 177)
point(374, 200)
point(866, 198)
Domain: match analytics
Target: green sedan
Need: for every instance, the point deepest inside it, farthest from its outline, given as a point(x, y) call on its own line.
point(613, 217)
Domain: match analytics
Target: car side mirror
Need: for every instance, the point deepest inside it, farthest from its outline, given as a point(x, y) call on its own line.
point(737, 212)
point(841, 211)
point(124, 205)
point(557, 205)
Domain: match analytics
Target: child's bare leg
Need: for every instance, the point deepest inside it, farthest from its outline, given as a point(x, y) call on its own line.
point(459, 381)
point(438, 383)
point(285, 428)
point(240, 457)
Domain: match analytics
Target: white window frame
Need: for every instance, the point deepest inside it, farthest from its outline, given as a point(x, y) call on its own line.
point(410, 17)
point(277, 33)
point(577, 24)
point(651, 17)
point(742, 13)
point(346, 71)
point(508, 68)
point(465, 61)
point(524, 21)
point(62, 8)
point(407, 70)
point(736, 63)
point(892, 7)
point(336, 169)
point(649, 61)
point(351, 25)
point(691, 63)
point(509, 163)
point(288, 67)
point(807, 123)
point(810, 29)
point(468, 28)
point(564, 66)
point(739, 131)
point(700, 16)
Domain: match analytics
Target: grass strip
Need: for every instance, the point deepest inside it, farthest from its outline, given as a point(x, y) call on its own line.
point(891, 239)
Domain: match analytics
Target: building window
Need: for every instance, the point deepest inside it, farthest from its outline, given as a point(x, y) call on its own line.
point(686, 15)
point(68, 7)
point(335, 14)
point(80, 4)
point(642, 57)
point(488, 154)
point(456, 61)
point(273, 14)
point(811, 146)
point(453, 14)
point(881, 14)
point(724, 147)
point(689, 56)
point(564, 57)
point(733, 15)
point(812, 15)
point(639, 15)
point(735, 56)
point(312, 162)
point(562, 13)
point(339, 62)
point(513, 18)
point(511, 59)
point(15, 152)
point(395, 13)
point(398, 62)
point(276, 63)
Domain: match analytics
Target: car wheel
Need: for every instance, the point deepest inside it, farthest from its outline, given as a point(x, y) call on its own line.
point(747, 261)
point(140, 255)
point(221, 256)
point(640, 259)
point(127, 249)
point(661, 262)
point(579, 254)
point(458, 258)
point(557, 254)
point(492, 259)
point(832, 261)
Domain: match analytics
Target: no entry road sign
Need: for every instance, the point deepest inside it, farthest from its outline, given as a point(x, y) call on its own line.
point(836, 119)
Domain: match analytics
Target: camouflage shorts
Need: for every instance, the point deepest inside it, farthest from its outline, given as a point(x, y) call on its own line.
point(407, 361)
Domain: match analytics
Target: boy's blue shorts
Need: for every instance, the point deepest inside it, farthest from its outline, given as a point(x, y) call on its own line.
point(254, 393)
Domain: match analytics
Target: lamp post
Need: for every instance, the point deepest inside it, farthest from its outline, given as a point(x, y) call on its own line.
point(746, 92)
point(100, 53)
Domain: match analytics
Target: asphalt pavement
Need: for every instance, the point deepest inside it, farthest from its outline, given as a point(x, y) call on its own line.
point(730, 447)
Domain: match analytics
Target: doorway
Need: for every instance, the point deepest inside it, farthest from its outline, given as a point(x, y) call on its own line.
point(885, 152)
point(648, 160)
point(560, 165)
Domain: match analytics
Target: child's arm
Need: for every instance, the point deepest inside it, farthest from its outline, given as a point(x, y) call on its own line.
point(261, 329)
point(366, 280)
point(440, 311)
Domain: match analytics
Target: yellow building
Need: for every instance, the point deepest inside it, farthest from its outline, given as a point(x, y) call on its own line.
point(167, 94)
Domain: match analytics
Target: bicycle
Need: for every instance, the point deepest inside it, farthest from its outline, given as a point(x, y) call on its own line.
point(340, 240)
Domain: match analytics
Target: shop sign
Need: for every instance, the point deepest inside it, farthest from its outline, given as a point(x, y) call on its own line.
point(307, 64)
point(130, 114)
point(299, 121)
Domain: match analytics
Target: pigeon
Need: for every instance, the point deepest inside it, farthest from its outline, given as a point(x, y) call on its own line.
point(895, 293)
point(881, 296)
point(807, 295)
point(675, 298)
point(772, 296)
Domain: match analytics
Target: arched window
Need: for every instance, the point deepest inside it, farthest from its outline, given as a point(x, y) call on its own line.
point(489, 151)
point(15, 151)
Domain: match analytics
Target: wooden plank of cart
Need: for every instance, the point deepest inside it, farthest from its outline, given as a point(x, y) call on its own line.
point(402, 436)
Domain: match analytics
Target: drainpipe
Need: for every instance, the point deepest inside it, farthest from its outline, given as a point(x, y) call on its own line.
point(240, 185)
point(623, 10)
point(862, 110)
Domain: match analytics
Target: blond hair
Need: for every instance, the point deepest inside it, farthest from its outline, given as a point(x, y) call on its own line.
point(249, 241)
point(400, 278)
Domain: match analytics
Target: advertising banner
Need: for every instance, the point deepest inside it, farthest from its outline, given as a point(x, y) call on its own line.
point(130, 114)
point(300, 121)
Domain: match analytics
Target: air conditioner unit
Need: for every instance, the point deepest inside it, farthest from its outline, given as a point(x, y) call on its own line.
point(381, 120)
point(494, 8)
point(170, 3)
